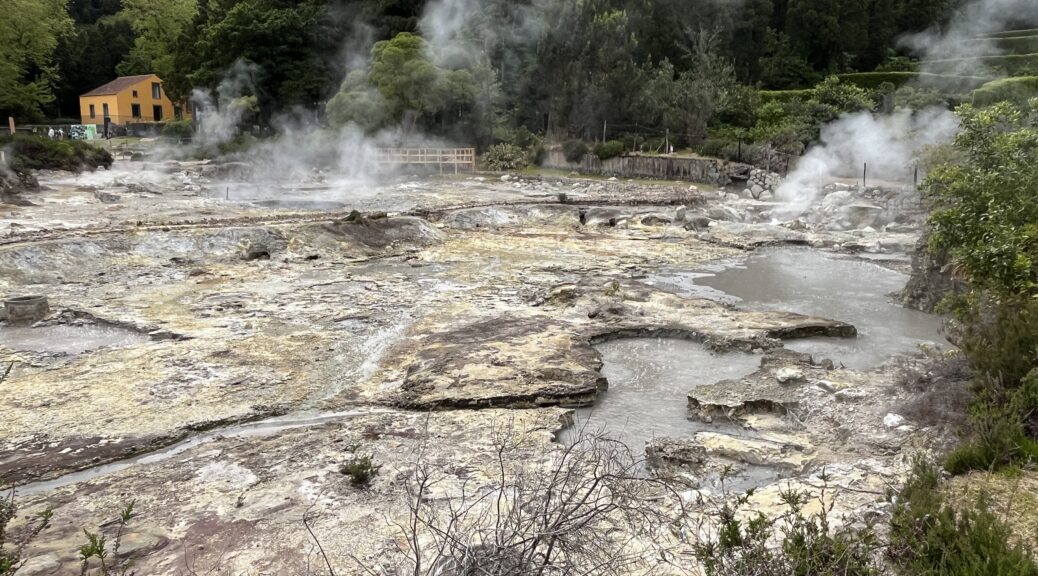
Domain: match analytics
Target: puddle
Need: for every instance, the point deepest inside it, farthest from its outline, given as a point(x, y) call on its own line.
point(811, 282)
point(649, 381)
point(66, 338)
point(260, 428)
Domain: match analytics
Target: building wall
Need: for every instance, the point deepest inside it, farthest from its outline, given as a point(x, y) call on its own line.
point(120, 106)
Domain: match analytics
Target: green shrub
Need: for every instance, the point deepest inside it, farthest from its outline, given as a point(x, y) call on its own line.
point(944, 82)
point(574, 150)
point(180, 129)
point(783, 95)
point(361, 470)
point(808, 545)
point(41, 153)
point(610, 149)
point(931, 537)
point(1017, 90)
point(503, 157)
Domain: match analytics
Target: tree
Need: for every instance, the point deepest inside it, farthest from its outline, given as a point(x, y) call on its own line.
point(29, 34)
point(87, 58)
point(985, 209)
point(157, 25)
point(684, 102)
point(403, 87)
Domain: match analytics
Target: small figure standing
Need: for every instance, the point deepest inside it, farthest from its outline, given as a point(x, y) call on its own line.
point(61, 133)
point(50, 133)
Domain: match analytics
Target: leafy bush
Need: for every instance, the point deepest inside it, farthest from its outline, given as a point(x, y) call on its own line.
point(180, 129)
point(1016, 90)
point(503, 157)
point(610, 149)
point(808, 545)
point(984, 215)
point(41, 153)
point(106, 552)
point(574, 150)
point(361, 470)
point(930, 537)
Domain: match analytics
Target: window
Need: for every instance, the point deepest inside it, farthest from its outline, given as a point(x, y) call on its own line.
point(135, 109)
point(104, 109)
point(93, 113)
point(134, 93)
point(156, 90)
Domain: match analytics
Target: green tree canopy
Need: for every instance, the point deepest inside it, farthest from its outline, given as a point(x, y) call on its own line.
point(29, 34)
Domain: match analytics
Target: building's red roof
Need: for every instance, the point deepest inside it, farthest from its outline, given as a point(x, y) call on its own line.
point(118, 85)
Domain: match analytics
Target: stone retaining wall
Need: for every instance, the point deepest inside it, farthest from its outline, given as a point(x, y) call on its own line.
point(701, 170)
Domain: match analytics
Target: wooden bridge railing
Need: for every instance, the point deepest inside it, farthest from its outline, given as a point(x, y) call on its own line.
point(458, 158)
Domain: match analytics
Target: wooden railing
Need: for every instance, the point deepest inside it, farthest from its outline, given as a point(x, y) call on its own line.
point(456, 158)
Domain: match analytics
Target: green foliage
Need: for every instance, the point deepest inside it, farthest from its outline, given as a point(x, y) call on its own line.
point(87, 58)
point(610, 149)
point(11, 551)
point(808, 545)
point(985, 214)
point(361, 470)
point(1018, 90)
point(985, 209)
point(103, 552)
point(29, 34)
point(782, 96)
point(932, 537)
point(505, 157)
point(574, 150)
point(402, 86)
point(157, 25)
point(41, 153)
point(178, 129)
point(872, 80)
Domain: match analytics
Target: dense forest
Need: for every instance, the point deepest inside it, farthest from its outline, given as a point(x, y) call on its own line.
point(541, 64)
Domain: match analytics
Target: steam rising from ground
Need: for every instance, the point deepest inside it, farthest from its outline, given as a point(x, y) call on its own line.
point(220, 115)
point(888, 144)
point(959, 39)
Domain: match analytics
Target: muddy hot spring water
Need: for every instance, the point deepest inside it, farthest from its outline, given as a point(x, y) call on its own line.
point(649, 378)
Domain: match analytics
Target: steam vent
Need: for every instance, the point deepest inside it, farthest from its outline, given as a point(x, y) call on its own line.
point(552, 288)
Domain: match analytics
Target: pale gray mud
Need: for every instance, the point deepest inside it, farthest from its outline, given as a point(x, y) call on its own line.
point(648, 381)
point(811, 282)
point(66, 339)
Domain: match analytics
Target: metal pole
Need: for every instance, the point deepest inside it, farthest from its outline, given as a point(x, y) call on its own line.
point(864, 176)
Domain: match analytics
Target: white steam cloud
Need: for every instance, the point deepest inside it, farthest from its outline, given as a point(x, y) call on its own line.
point(887, 144)
point(220, 116)
point(962, 37)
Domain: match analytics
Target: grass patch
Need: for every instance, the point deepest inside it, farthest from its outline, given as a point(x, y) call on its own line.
point(1012, 64)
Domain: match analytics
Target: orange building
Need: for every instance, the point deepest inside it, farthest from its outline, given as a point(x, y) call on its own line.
point(129, 99)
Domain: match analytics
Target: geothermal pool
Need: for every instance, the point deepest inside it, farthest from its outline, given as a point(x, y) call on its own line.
point(649, 378)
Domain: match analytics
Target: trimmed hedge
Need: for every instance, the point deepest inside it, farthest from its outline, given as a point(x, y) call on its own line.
point(1017, 90)
point(1013, 33)
point(872, 80)
point(610, 149)
point(784, 95)
point(1011, 63)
